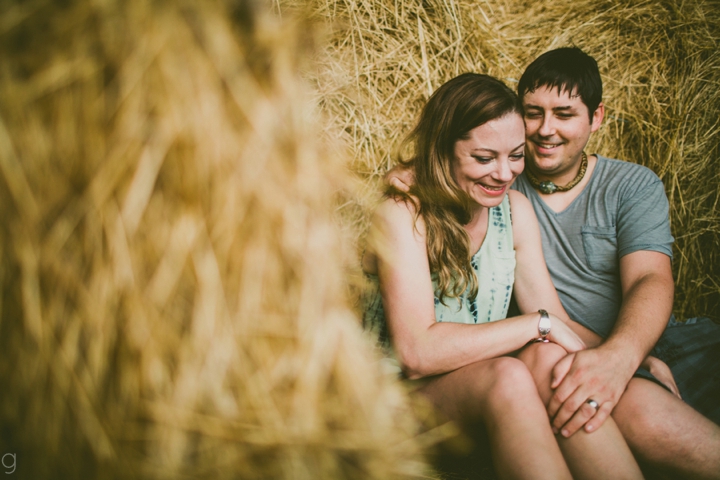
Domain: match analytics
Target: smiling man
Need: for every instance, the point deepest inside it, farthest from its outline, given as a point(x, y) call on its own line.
point(607, 243)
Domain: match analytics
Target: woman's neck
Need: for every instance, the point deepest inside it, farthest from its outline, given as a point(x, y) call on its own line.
point(477, 227)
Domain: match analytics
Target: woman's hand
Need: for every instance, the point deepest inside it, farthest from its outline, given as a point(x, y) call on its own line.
point(662, 372)
point(400, 177)
point(564, 336)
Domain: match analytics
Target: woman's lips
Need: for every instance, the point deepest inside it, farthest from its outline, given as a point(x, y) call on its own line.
point(493, 189)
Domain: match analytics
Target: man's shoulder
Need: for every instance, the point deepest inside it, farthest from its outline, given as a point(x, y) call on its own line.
point(625, 170)
point(611, 178)
point(522, 184)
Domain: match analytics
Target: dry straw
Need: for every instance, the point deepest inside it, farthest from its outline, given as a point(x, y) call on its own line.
point(174, 293)
point(660, 64)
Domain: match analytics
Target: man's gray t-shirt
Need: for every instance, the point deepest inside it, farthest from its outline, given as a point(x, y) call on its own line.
point(622, 209)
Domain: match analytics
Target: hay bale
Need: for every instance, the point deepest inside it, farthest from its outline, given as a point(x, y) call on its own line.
point(659, 61)
point(173, 293)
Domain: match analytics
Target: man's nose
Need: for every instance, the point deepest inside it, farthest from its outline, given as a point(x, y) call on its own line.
point(547, 127)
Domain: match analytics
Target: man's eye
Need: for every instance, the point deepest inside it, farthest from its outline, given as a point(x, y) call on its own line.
point(565, 115)
point(532, 115)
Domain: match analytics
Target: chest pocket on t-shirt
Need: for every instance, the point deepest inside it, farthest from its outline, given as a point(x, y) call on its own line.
point(600, 245)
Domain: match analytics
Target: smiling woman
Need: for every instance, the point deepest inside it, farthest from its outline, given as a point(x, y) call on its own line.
point(445, 258)
point(489, 159)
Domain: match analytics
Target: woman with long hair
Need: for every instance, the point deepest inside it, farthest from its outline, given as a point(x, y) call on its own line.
point(447, 256)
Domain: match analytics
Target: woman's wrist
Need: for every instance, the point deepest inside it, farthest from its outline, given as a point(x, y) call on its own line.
point(542, 326)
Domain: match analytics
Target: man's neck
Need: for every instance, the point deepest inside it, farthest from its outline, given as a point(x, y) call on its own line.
point(560, 177)
point(559, 201)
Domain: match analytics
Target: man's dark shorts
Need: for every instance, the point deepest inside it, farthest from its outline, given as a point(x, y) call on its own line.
point(692, 351)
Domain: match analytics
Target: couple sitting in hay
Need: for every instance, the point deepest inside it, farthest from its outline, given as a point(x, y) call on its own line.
point(590, 379)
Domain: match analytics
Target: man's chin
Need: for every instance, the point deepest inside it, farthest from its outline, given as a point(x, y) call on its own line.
point(541, 163)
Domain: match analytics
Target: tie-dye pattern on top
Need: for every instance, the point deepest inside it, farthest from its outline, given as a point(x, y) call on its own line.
point(494, 265)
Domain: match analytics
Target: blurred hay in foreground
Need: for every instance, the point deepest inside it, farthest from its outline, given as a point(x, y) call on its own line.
point(660, 63)
point(174, 299)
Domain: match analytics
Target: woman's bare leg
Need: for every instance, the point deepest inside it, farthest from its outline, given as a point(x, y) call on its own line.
point(501, 393)
point(598, 455)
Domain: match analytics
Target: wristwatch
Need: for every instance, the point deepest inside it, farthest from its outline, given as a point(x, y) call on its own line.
point(544, 325)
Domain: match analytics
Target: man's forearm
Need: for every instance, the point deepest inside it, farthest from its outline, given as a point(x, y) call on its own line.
point(646, 307)
point(602, 372)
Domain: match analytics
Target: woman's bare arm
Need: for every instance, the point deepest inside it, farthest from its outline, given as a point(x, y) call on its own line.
point(533, 286)
point(425, 347)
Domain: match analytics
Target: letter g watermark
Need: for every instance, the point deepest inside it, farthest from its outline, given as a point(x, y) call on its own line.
point(9, 461)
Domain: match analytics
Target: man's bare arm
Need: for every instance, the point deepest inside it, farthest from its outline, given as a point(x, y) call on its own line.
point(602, 373)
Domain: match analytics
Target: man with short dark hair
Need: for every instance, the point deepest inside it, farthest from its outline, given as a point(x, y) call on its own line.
point(607, 243)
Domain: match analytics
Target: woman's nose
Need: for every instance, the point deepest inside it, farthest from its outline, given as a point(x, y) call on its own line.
point(504, 172)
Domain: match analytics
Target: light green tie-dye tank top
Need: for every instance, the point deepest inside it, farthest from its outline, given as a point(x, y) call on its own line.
point(494, 266)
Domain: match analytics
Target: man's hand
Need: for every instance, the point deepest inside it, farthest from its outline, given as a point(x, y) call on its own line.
point(602, 373)
point(400, 177)
point(594, 374)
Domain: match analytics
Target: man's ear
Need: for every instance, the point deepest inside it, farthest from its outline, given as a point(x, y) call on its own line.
point(597, 117)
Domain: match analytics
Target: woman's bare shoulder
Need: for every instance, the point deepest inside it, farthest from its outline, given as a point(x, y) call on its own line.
point(524, 222)
point(395, 225)
point(518, 200)
point(395, 212)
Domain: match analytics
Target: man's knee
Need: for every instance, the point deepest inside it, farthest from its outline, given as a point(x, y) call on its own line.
point(637, 414)
point(662, 430)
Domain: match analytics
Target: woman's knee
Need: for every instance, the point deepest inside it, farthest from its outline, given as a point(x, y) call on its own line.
point(481, 390)
point(491, 391)
point(540, 359)
point(542, 356)
point(508, 379)
point(510, 394)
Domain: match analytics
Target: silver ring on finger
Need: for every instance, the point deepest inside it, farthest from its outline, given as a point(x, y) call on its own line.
point(593, 404)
